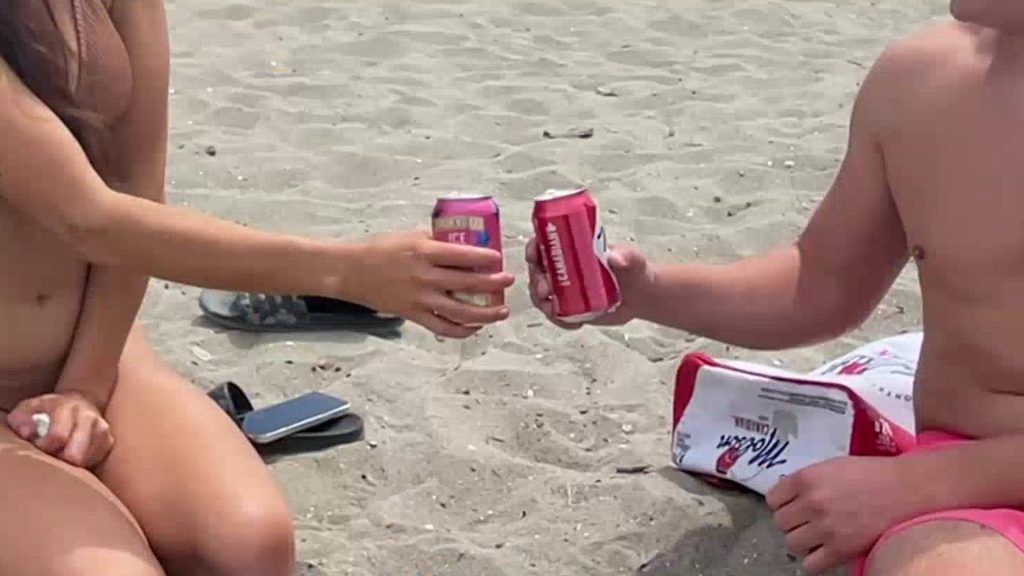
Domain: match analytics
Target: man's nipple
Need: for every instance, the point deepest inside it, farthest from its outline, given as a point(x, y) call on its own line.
point(917, 251)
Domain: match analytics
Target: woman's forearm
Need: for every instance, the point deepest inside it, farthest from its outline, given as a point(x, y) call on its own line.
point(189, 247)
point(111, 302)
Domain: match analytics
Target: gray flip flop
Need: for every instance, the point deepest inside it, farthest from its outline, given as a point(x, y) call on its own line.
point(255, 312)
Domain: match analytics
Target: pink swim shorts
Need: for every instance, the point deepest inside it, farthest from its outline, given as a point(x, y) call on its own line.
point(1006, 521)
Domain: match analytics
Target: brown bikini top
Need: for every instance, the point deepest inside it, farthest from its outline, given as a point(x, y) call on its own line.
point(69, 53)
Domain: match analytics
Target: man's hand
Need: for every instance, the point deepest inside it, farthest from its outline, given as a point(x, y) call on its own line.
point(78, 433)
point(413, 276)
point(630, 268)
point(834, 511)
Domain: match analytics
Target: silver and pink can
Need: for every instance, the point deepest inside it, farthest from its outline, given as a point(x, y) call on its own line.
point(474, 220)
point(574, 251)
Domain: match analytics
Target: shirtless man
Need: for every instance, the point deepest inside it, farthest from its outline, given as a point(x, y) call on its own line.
point(141, 474)
point(934, 171)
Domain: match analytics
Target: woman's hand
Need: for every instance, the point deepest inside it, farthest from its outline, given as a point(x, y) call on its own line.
point(413, 276)
point(78, 434)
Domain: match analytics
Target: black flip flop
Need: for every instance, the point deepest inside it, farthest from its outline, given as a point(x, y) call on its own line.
point(344, 429)
point(254, 312)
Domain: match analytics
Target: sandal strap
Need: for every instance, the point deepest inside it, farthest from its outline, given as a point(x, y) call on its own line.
point(273, 310)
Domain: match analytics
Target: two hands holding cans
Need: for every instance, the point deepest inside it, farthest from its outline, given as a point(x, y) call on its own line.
point(574, 277)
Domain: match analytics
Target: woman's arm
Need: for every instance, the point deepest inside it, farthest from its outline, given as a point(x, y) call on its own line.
point(136, 147)
point(45, 175)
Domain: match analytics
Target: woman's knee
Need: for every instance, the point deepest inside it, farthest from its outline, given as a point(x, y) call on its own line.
point(259, 541)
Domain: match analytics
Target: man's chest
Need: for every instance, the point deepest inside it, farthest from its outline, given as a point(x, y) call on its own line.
point(958, 184)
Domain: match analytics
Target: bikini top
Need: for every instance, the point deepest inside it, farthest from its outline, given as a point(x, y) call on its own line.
point(70, 54)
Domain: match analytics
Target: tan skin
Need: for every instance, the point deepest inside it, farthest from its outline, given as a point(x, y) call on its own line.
point(933, 173)
point(167, 483)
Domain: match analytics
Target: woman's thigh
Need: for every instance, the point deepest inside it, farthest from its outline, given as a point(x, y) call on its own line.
point(61, 521)
point(204, 498)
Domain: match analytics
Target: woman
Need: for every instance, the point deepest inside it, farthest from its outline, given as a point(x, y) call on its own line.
point(83, 118)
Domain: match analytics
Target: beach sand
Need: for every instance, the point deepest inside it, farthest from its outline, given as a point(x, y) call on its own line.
point(717, 126)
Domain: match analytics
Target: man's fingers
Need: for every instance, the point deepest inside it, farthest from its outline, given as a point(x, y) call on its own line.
point(540, 290)
point(784, 492)
point(462, 313)
point(462, 256)
point(564, 325)
point(791, 516)
point(822, 559)
point(448, 279)
point(540, 295)
point(533, 254)
point(444, 327)
point(803, 539)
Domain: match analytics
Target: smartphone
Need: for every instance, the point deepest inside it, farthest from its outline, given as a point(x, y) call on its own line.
point(300, 413)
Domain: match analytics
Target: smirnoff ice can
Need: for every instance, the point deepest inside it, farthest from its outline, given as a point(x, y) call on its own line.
point(574, 251)
point(472, 219)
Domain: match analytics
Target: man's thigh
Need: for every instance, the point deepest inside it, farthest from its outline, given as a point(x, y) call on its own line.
point(946, 548)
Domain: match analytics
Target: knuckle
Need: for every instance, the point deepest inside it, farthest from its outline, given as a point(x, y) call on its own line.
point(420, 248)
point(779, 521)
point(829, 531)
point(802, 480)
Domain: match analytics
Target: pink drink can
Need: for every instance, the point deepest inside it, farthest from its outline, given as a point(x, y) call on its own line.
point(471, 219)
point(574, 251)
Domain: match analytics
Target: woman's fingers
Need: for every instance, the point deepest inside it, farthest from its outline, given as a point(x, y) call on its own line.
point(77, 447)
point(62, 422)
point(461, 256)
point(442, 326)
point(20, 419)
point(449, 279)
point(463, 313)
point(77, 432)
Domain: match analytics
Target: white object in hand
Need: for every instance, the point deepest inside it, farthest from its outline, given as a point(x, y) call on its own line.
point(42, 422)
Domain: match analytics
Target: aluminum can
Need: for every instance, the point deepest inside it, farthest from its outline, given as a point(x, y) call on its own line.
point(474, 220)
point(574, 251)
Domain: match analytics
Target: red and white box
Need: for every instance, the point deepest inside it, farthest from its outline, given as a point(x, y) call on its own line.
point(745, 424)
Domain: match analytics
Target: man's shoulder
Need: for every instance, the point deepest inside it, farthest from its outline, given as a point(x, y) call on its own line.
point(935, 49)
point(915, 70)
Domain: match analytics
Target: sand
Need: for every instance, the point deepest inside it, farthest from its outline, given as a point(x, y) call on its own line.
point(717, 126)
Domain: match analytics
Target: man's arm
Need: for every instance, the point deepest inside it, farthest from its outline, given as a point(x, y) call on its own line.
point(981, 474)
point(826, 283)
point(137, 156)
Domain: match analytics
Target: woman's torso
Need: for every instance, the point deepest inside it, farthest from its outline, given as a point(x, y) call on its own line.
point(42, 280)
